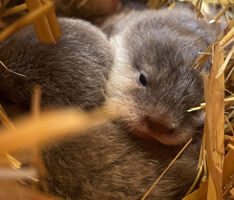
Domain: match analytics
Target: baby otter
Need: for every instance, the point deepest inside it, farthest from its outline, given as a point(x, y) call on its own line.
point(150, 83)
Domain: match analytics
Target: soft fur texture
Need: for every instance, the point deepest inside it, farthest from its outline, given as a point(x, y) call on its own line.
point(71, 72)
point(109, 163)
point(162, 46)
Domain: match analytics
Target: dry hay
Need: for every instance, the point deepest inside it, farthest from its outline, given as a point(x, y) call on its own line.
point(216, 163)
point(20, 143)
point(41, 14)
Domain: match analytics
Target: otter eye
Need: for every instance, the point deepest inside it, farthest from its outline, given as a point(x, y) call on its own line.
point(142, 79)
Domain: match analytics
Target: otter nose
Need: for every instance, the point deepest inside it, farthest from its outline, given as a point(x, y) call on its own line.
point(158, 126)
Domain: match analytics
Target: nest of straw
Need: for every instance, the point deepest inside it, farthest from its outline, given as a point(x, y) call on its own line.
point(20, 141)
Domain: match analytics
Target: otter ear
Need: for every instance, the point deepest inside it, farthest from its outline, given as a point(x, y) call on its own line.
point(199, 117)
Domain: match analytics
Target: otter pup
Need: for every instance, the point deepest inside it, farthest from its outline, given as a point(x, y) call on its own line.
point(153, 86)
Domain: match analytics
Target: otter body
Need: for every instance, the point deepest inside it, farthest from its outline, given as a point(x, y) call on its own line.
point(150, 83)
point(109, 163)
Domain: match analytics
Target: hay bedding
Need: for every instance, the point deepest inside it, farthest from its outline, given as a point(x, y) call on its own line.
point(216, 163)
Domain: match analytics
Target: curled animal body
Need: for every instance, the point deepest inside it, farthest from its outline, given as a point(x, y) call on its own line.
point(150, 83)
point(110, 163)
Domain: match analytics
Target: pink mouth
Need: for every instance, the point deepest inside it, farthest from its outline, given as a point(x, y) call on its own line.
point(159, 128)
point(160, 132)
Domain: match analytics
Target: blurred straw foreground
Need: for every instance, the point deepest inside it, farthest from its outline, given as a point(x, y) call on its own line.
point(20, 141)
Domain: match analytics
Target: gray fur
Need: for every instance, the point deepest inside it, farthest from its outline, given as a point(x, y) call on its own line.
point(108, 163)
point(70, 72)
point(111, 162)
